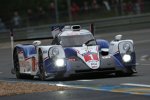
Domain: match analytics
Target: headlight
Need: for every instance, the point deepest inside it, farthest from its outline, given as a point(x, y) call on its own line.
point(126, 58)
point(126, 47)
point(55, 51)
point(59, 62)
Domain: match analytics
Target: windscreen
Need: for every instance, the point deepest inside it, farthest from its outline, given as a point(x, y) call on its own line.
point(76, 40)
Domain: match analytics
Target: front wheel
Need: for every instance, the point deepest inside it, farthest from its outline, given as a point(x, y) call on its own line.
point(59, 75)
point(42, 75)
point(129, 72)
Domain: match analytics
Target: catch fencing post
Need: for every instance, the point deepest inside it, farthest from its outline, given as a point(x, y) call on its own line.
point(12, 47)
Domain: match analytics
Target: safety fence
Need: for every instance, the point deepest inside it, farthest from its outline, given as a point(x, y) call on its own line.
point(108, 25)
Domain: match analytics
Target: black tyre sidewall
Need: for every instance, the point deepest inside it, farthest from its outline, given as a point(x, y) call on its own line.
point(41, 67)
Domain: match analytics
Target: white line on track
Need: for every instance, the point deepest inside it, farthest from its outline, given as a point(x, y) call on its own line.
point(84, 80)
point(78, 87)
point(138, 64)
point(138, 85)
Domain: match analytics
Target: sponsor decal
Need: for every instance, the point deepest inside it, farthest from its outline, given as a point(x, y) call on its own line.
point(28, 64)
point(93, 64)
point(106, 57)
point(90, 56)
point(24, 64)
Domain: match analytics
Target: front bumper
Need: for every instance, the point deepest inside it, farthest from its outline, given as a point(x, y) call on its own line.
point(107, 65)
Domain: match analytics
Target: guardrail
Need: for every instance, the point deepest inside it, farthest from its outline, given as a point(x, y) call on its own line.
point(115, 24)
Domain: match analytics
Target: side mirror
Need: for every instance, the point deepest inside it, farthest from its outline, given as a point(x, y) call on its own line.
point(60, 42)
point(36, 43)
point(84, 45)
point(104, 51)
point(118, 37)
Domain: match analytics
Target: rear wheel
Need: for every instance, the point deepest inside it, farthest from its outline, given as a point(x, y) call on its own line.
point(16, 65)
point(42, 75)
point(17, 68)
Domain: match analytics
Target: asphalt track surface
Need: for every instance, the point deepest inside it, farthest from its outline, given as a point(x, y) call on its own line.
point(93, 87)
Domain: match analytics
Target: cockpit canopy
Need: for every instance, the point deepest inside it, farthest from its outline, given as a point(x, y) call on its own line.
point(74, 36)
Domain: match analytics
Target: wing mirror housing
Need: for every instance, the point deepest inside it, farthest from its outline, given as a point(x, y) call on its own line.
point(36, 43)
point(118, 37)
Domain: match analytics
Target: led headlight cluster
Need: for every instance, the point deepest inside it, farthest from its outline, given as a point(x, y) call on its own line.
point(126, 47)
point(126, 58)
point(57, 55)
point(55, 51)
point(59, 62)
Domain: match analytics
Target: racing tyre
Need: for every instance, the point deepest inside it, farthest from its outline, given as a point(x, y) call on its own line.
point(129, 72)
point(17, 68)
point(42, 75)
point(59, 75)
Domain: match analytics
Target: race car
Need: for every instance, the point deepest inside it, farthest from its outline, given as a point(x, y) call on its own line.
point(74, 51)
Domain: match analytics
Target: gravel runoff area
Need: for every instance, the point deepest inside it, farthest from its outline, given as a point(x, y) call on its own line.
point(15, 88)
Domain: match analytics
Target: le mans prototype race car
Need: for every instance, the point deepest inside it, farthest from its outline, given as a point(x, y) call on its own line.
point(72, 51)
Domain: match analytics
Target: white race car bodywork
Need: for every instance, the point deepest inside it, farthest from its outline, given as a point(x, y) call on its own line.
point(85, 55)
point(91, 59)
point(30, 65)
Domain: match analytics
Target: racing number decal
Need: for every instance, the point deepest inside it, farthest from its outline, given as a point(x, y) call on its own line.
point(88, 57)
point(33, 64)
point(91, 56)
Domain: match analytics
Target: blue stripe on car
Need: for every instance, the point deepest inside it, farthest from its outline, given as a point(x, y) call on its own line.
point(102, 43)
point(69, 52)
point(49, 66)
point(118, 60)
point(27, 50)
